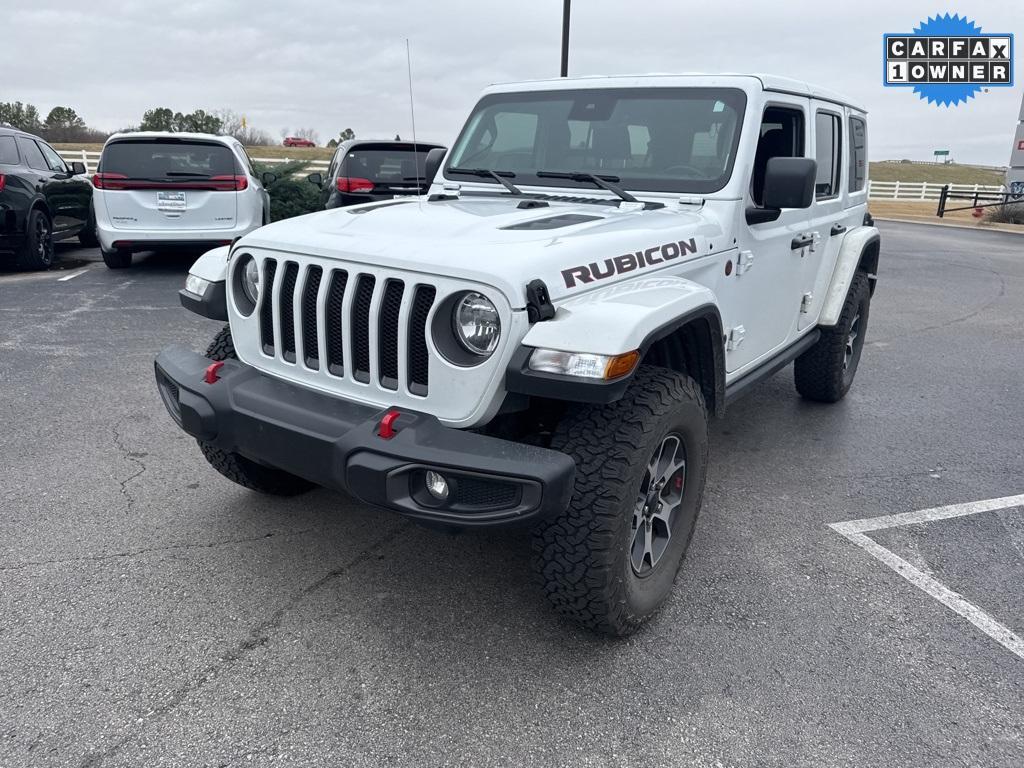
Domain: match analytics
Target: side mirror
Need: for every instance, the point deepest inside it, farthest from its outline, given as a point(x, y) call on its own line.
point(789, 182)
point(268, 178)
point(433, 164)
point(316, 178)
point(77, 168)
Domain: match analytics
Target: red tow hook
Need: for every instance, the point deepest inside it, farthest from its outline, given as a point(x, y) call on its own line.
point(387, 425)
point(211, 372)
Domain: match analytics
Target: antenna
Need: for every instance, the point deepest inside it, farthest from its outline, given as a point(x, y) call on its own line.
point(412, 114)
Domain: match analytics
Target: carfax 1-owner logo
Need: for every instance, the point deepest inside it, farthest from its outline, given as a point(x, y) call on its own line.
point(948, 59)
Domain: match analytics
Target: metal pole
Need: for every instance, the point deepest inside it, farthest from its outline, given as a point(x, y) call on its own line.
point(565, 37)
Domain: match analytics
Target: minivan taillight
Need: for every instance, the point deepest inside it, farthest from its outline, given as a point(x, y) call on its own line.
point(3, 182)
point(228, 183)
point(346, 184)
point(109, 180)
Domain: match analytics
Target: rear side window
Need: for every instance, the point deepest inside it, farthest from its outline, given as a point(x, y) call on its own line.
point(163, 160)
point(858, 153)
point(385, 166)
point(827, 151)
point(8, 151)
point(33, 156)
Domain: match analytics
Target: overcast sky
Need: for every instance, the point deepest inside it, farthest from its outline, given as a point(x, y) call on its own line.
point(330, 65)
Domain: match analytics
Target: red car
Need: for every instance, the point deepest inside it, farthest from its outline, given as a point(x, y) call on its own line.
point(295, 141)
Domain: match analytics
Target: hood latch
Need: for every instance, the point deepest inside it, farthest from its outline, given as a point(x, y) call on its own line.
point(538, 302)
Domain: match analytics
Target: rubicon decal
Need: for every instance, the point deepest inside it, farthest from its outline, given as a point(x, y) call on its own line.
point(948, 59)
point(646, 257)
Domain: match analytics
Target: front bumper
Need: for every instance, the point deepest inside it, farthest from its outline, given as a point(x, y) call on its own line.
point(337, 443)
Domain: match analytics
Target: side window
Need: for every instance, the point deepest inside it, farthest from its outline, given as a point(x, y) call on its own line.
point(8, 151)
point(858, 153)
point(52, 158)
point(781, 135)
point(827, 151)
point(33, 156)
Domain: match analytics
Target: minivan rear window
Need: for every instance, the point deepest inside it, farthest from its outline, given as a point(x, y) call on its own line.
point(392, 166)
point(8, 151)
point(168, 160)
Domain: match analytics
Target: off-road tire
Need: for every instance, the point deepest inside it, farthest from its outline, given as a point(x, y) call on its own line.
point(239, 469)
point(87, 237)
point(36, 251)
point(117, 259)
point(583, 554)
point(824, 373)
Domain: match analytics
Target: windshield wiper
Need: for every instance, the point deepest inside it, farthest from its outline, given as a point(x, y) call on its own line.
point(187, 173)
point(605, 182)
point(502, 177)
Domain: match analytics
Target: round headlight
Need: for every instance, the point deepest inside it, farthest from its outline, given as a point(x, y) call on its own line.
point(251, 280)
point(476, 322)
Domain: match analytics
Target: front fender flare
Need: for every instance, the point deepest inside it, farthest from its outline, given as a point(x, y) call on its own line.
point(212, 266)
point(612, 321)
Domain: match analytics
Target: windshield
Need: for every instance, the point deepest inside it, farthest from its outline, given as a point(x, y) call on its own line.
point(654, 139)
point(172, 160)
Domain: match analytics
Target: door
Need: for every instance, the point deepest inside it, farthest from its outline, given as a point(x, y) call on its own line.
point(830, 215)
point(167, 184)
point(69, 195)
point(763, 302)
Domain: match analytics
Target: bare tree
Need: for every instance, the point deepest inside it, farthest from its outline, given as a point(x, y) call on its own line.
point(308, 133)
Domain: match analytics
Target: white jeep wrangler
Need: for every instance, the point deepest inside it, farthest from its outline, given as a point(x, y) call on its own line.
point(600, 266)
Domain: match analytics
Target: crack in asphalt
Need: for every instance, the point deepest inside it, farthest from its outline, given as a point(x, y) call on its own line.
point(257, 637)
point(133, 458)
point(151, 550)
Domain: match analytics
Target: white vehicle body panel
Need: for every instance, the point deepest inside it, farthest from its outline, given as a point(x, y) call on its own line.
point(212, 266)
point(768, 293)
point(618, 319)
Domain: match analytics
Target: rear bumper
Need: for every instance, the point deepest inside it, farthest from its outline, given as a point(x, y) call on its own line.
point(337, 444)
point(145, 240)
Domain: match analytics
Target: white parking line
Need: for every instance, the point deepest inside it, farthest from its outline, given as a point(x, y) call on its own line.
point(855, 531)
point(72, 276)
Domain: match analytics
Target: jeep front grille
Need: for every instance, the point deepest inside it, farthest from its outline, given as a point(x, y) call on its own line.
point(351, 324)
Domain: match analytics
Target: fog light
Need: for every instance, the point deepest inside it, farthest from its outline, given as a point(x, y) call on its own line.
point(437, 486)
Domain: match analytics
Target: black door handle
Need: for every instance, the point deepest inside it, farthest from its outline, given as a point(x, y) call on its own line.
point(837, 229)
point(801, 242)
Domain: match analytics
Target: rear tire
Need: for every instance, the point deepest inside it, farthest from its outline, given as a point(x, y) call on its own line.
point(37, 250)
point(117, 259)
point(610, 560)
point(235, 467)
point(824, 373)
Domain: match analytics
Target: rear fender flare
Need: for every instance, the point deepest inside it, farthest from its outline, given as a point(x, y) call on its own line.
point(856, 244)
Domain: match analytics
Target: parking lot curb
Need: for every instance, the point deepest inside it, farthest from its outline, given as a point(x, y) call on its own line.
point(951, 226)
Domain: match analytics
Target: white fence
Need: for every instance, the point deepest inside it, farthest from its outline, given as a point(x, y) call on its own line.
point(92, 159)
point(902, 190)
point(877, 190)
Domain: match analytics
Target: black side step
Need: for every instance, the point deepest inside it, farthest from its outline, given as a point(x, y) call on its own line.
point(742, 385)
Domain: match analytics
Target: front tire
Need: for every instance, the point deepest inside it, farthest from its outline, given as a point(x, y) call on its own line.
point(824, 373)
point(37, 250)
point(609, 561)
point(237, 468)
point(87, 236)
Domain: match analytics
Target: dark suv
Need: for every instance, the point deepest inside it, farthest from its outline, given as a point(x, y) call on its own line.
point(364, 171)
point(42, 199)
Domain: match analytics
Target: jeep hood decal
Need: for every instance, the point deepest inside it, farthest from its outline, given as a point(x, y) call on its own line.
point(493, 241)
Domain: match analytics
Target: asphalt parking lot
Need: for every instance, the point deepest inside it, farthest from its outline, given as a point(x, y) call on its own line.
point(155, 614)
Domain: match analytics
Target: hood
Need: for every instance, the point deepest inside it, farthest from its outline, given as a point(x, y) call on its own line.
point(572, 246)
